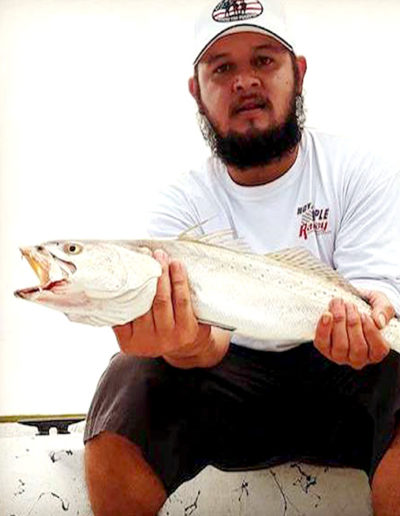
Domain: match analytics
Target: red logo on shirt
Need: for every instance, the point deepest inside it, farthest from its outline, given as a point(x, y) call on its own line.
point(313, 220)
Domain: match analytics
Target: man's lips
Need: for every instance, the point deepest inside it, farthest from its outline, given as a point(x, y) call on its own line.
point(250, 106)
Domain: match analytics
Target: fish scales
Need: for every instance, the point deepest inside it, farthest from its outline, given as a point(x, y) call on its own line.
point(290, 306)
point(279, 296)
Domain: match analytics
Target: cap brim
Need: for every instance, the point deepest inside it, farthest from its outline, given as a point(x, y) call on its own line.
point(245, 27)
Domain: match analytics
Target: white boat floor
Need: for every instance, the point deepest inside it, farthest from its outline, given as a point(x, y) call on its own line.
point(43, 476)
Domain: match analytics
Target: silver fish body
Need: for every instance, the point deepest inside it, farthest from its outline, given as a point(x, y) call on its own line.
point(279, 296)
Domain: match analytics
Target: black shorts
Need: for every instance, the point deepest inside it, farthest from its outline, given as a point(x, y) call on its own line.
point(255, 409)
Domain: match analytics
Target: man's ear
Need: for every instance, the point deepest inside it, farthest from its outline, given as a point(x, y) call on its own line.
point(195, 92)
point(194, 88)
point(301, 63)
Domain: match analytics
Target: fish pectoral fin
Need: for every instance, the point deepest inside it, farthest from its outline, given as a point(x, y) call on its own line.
point(95, 320)
point(217, 325)
point(302, 259)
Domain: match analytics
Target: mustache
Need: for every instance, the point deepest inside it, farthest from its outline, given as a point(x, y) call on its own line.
point(260, 147)
point(249, 102)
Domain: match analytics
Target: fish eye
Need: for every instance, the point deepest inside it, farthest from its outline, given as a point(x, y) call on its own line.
point(71, 248)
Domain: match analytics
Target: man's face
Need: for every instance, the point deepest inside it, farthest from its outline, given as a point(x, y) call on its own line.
point(246, 87)
point(246, 82)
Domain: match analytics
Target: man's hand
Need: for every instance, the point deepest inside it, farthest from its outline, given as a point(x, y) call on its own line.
point(347, 337)
point(170, 329)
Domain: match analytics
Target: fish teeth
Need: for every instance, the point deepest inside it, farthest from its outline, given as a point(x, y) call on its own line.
point(37, 263)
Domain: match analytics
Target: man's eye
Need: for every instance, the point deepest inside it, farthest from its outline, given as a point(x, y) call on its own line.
point(263, 60)
point(222, 68)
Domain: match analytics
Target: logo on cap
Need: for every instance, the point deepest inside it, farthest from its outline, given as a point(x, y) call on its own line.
point(236, 10)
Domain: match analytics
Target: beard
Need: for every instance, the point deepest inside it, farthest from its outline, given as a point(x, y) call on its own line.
point(256, 147)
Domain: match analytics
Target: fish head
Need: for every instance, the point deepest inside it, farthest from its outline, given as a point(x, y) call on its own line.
point(54, 275)
point(80, 276)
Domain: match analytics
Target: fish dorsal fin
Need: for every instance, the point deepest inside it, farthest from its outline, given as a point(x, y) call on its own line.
point(223, 238)
point(301, 259)
point(190, 233)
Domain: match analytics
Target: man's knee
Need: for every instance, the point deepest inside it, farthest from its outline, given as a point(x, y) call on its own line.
point(106, 447)
point(118, 477)
point(388, 468)
point(103, 456)
point(395, 444)
point(394, 447)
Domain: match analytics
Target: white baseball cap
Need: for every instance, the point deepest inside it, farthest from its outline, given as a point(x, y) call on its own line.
point(223, 17)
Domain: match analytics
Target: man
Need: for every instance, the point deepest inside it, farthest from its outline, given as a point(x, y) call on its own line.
point(183, 394)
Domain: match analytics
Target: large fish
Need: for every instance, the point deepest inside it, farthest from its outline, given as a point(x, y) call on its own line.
point(279, 296)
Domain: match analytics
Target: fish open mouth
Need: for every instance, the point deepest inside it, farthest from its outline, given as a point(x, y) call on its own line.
point(52, 271)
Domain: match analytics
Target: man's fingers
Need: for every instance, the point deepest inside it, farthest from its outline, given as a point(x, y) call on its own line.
point(358, 347)
point(382, 309)
point(382, 313)
point(354, 339)
point(322, 339)
point(163, 313)
point(377, 346)
point(340, 342)
point(183, 312)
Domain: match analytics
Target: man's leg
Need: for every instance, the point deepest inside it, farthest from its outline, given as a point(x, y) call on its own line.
point(386, 481)
point(119, 480)
point(151, 427)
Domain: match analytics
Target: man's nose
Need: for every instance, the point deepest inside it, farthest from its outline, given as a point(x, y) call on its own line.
point(244, 81)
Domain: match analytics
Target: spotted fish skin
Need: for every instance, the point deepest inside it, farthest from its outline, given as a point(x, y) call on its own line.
point(279, 296)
